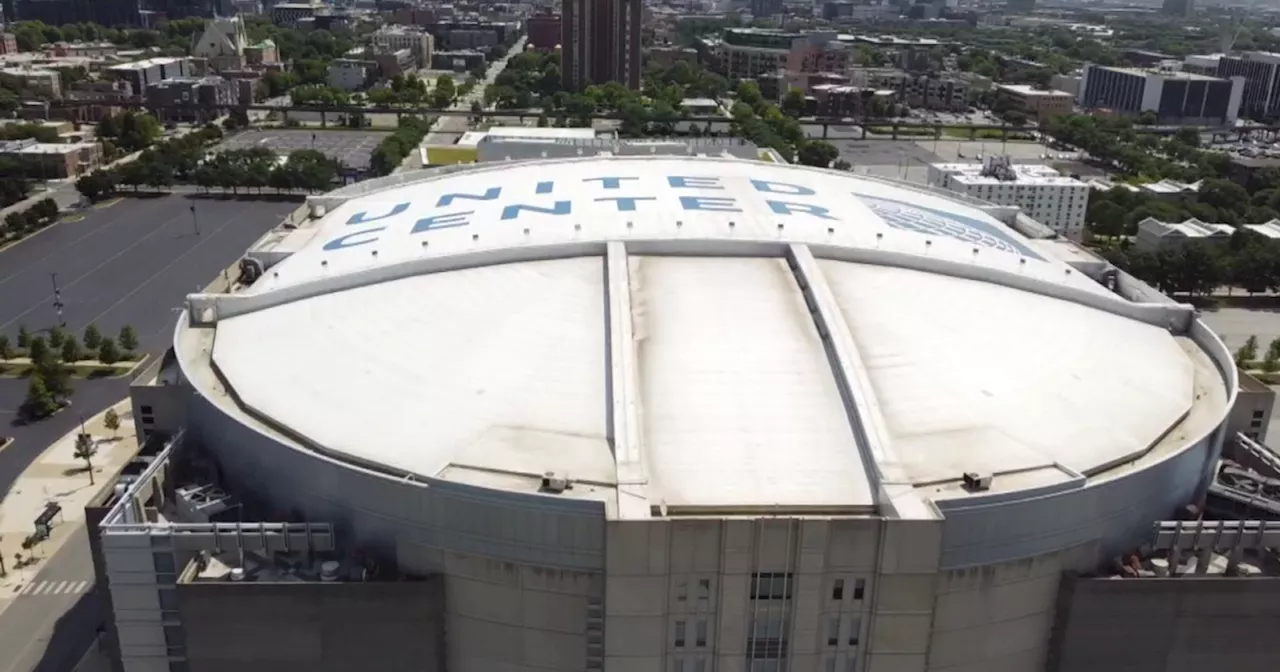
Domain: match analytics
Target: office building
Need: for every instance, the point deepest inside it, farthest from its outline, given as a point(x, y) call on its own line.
point(600, 42)
point(1042, 193)
point(61, 12)
point(1174, 97)
point(763, 9)
point(1261, 71)
point(1178, 8)
point(208, 98)
point(349, 74)
point(181, 9)
point(543, 31)
point(142, 74)
point(52, 161)
point(925, 91)
point(36, 82)
point(1037, 104)
point(292, 13)
point(419, 42)
point(1202, 64)
point(685, 413)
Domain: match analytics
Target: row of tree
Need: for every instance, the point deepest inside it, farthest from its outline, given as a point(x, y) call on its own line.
point(165, 163)
point(1143, 156)
point(49, 383)
point(20, 224)
point(65, 347)
point(129, 131)
point(1248, 261)
point(391, 152)
point(1247, 356)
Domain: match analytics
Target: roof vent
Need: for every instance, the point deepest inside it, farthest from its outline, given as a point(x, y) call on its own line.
point(556, 483)
point(976, 482)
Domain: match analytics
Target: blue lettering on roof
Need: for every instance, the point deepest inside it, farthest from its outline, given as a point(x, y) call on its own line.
point(559, 208)
point(488, 195)
point(363, 218)
point(930, 222)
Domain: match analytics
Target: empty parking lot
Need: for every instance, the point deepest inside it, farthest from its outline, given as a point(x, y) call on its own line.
point(352, 148)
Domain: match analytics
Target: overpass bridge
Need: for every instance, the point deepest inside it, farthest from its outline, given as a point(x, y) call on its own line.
point(893, 129)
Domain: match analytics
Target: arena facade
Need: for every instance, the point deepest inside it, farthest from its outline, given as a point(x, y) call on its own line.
point(653, 414)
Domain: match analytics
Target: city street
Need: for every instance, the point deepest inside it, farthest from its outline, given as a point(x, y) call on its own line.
point(54, 618)
point(449, 129)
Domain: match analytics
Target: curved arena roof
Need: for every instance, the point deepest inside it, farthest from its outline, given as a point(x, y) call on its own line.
point(706, 335)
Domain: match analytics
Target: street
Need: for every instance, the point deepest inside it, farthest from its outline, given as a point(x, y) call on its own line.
point(55, 615)
point(448, 129)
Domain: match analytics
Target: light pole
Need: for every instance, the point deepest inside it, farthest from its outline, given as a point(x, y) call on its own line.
point(195, 223)
point(57, 299)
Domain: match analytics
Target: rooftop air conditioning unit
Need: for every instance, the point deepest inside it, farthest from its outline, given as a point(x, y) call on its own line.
point(553, 482)
point(977, 482)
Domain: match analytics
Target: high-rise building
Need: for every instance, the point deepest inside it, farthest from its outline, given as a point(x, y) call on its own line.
point(1174, 97)
point(1044, 194)
point(1178, 7)
point(600, 42)
point(1261, 72)
point(62, 12)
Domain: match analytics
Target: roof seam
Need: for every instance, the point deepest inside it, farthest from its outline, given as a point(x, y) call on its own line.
point(861, 406)
point(623, 385)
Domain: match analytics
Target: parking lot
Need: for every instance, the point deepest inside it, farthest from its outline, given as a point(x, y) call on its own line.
point(129, 261)
point(352, 148)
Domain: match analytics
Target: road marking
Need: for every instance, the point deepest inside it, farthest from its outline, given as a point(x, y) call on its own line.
point(106, 204)
point(49, 588)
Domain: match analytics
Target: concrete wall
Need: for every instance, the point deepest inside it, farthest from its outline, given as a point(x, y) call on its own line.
point(1185, 624)
point(1251, 413)
point(313, 627)
point(522, 573)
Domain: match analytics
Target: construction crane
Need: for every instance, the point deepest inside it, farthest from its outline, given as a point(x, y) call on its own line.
point(1227, 44)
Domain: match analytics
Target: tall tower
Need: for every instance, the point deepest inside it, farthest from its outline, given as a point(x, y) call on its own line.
point(600, 42)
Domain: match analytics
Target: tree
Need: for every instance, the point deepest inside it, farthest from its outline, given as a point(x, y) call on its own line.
point(39, 402)
point(56, 336)
point(71, 350)
point(6, 350)
point(107, 352)
point(445, 92)
point(39, 352)
point(818, 153)
point(128, 340)
point(86, 448)
point(793, 103)
point(24, 337)
point(1247, 352)
point(112, 421)
point(92, 337)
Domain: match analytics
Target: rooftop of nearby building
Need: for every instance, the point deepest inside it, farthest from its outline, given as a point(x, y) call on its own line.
point(1165, 74)
point(1029, 90)
point(147, 63)
point(1017, 174)
point(1191, 228)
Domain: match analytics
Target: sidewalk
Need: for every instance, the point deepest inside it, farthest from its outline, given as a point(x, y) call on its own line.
point(58, 476)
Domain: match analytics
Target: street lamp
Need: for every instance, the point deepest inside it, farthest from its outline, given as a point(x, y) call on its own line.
point(195, 223)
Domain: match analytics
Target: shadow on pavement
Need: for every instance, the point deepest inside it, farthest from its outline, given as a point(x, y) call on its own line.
point(73, 634)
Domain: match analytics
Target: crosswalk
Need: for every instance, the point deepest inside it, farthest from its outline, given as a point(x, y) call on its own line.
point(55, 587)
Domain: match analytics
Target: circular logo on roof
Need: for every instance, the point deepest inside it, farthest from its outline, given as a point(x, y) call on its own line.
point(932, 223)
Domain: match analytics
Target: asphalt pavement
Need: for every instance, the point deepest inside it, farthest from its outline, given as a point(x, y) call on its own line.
point(132, 262)
point(54, 619)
